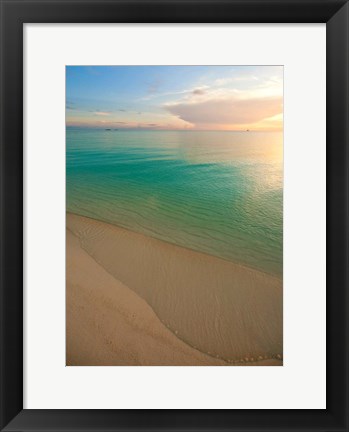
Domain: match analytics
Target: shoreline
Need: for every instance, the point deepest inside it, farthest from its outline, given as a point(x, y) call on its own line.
point(109, 325)
point(119, 287)
point(235, 263)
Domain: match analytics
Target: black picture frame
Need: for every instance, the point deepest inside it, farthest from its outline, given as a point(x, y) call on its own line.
point(14, 13)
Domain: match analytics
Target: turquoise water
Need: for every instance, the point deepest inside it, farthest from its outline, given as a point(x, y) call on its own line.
point(216, 192)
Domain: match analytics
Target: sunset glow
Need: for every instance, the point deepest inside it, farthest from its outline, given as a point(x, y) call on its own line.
point(175, 97)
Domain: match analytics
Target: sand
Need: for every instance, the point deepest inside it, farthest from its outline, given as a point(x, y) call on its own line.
point(134, 300)
point(108, 324)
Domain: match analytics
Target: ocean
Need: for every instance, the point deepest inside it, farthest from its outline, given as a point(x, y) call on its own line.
point(220, 193)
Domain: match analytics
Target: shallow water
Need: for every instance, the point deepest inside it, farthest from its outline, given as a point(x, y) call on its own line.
point(222, 309)
point(216, 192)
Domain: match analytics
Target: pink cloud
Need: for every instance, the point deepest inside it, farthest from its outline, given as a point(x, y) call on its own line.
point(102, 113)
point(227, 111)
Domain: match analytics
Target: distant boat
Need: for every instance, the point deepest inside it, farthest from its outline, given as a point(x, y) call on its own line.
point(108, 129)
point(247, 130)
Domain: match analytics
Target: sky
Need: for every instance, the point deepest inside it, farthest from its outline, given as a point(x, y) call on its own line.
point(175, 97)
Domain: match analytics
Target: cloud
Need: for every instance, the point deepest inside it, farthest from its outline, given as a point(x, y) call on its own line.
point(232, 111)
point(69, 105)
point(199, 91)
point(164, 94)
point(154, 85)
point(102, 113)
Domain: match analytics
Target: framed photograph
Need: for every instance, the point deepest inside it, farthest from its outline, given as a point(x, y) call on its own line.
point(174, 241)
point(174, 188)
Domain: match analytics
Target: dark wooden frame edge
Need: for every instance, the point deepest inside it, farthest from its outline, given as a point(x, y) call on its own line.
point(14, 14)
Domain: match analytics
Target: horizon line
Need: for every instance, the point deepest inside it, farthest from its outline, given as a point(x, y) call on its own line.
point(171, 130)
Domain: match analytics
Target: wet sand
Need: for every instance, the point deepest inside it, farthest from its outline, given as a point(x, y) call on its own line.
point(135, 300)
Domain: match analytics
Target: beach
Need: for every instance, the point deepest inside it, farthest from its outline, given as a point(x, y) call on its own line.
point(136, 300)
